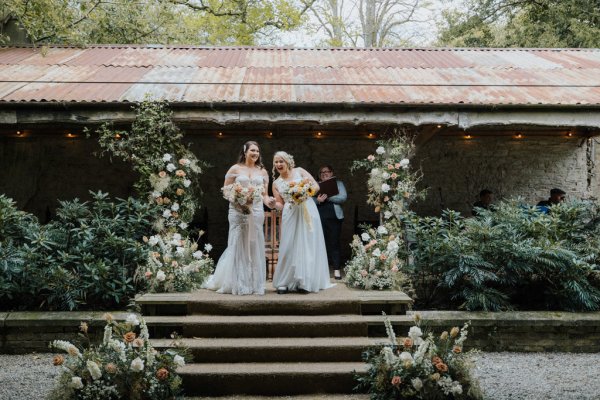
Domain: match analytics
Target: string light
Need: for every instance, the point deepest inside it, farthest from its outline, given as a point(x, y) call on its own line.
point(319, 133)
point(468, 137)
point(371, 135)
point(220, 134)
point(569, 134)
point(439, 126)
point(270, 133)
point(117, 136)
point(519, 135)
point(18, 133)
point(70, 135)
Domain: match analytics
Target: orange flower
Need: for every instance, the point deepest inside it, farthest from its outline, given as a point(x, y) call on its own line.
point(129, 337)
point(162, 174)
point(436, 360)
point(408, 342)
point(148, 274)
point(111, 368)
point(396, 380)
point(457, 349)
point(180, 173)
point(58, 360)
point(441, 367)
point(162, 374)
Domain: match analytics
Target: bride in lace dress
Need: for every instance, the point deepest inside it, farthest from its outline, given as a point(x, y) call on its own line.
point(241, 268)
point(302, 263)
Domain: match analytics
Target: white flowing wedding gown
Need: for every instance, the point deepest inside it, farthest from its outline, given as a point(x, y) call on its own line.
point(241, 269)
point(302, 262)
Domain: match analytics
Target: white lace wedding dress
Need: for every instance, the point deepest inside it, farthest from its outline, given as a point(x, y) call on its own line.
point(302, 262)
point(241, 269)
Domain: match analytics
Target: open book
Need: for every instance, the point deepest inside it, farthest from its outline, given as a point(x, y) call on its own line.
point(329, 187)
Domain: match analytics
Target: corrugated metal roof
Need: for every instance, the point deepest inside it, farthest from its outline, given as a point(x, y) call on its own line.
point(311, 76)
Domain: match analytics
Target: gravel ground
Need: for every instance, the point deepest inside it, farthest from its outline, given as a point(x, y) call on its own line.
point(510, 376)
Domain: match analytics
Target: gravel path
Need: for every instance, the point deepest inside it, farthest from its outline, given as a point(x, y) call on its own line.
point(510, 376)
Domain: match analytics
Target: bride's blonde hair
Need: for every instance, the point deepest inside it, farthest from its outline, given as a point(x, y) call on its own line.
point(289, 160)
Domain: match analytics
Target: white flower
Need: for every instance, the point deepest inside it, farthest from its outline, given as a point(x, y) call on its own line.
point(137, 365)
point(153, 240)
point(197, 254)
point(94, 370)
point(385, 175)
point(387, 214)
point(171, 167)
point(133, 320)
point(179, 361)
point(76, 382)
point(456, 388)
point(380, 150)
point(376, 252)
point(167, 157)
point(180, 251)
point(405, 356)
point(415, 334)
point(176, 236)
point(365, 237)
point(404, 163)
point(175, 207)
point(417, 384)
point(166, 213)
point(385, 188)
point(208, 247)
point(393, 246)
point(187, 182)
point(183, 225)
point(160, 276)
point(156, 193)
point(382, 230)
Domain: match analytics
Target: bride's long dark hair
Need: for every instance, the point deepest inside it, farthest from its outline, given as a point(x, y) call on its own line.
point(242, 156)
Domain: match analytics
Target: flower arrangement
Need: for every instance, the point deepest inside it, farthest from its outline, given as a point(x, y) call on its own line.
point(377, 259)
point(123, 366)
point(174, 264)
point(298, 192)
point(421, 367)
point(172, 193)
point(242, 196)
point(391, 187)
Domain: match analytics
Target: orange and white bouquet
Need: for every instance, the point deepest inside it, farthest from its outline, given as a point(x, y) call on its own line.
point(242, 196)
point(298, 192)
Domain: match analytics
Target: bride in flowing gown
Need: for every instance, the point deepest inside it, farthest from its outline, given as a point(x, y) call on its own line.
point(302, 263)
point(241, 268)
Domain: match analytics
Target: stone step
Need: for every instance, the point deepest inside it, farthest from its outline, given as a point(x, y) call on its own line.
point(242, 350)
point(258, 326)
point(270, 379)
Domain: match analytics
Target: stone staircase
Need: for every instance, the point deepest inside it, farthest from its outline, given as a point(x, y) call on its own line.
point(271, 345)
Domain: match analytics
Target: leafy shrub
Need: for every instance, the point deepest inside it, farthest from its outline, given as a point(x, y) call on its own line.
point(86, 257)
point(511, 257)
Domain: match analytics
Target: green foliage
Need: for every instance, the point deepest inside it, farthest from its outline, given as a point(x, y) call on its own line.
point(202, 22)
point(527, 23)
point(512, 257)
point(85, 258)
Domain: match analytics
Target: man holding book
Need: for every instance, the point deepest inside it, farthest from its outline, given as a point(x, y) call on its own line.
point(329, 200)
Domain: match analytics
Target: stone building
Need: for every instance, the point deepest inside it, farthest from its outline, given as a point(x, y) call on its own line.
point(516, 121)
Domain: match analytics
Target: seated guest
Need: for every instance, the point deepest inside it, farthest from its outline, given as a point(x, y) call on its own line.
point(332, 216)
point(485, 201)
point(556, 196)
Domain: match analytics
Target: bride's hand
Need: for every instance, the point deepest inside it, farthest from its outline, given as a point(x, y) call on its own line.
point(271, 202)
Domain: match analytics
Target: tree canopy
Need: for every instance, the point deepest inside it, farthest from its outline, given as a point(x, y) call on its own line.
point(523, 23)
point(218, 22)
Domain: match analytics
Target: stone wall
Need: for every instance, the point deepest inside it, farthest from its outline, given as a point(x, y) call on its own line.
point(455, 169)
point(41, 169)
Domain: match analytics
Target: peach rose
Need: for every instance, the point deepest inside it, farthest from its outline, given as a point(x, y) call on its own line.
point(174, 263)
point(111, 368)
point(148, 274)
point(457, 349)
point(162, 174)
point(454, 332)
point(397, 165)
point(396, 380)
point(129, 337)
point(436, 360)
point(175, 214)
point(162, 374)
point(394, 175)
point(145, 239)
point(386, 199)
point(58, 360)
point(364, 273)
point(371, 157)
point(383, 257)
point(394, 268)
point(159, 201)
point(184, 161)
point(180, 173)
point(138, 342)
point(179, 192)
point(408, 342)
point(441, 367)
point(390, 166)
point(166, 200)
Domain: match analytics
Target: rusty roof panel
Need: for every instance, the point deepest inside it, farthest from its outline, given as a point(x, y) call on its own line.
point(315, 76)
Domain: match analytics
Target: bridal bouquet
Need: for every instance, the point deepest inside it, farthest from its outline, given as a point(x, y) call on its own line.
point(243, 196)
point(299, 192)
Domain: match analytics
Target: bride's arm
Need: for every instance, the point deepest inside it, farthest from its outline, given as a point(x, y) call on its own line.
point(305, 174)
point(230, 175)
point(267, 200)
point(278, 199)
